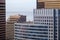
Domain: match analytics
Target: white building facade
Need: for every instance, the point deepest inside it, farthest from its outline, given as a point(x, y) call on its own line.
point(31, 31)
point(50, 17)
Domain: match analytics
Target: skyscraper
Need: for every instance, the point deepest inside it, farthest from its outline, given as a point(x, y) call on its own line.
point(2, 20)
point(48, 12)
point(50, 17)
point(48, 4)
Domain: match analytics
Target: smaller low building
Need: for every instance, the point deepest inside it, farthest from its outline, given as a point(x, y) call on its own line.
point(30, 31)
point(10, 25)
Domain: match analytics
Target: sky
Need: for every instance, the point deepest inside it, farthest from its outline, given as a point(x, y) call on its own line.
point(22, 7)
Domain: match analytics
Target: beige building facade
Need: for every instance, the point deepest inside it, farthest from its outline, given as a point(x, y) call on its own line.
point(10, 25)
point(47, 0)
point(49, 3)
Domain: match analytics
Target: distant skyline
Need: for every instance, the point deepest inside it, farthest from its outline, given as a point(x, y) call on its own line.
point(23, 7)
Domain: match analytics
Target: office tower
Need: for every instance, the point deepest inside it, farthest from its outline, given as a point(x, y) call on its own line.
point(48, 12)
point(48, 4)
point(10, 25)
point(30, 31)
point(50, 17)
point(2, 19)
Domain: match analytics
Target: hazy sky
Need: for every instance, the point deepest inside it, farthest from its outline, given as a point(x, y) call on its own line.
point(24, 7)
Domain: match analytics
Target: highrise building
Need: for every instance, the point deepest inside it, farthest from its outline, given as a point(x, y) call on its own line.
point(30, 31)
point(50, 17)
point(48, 4)
point(10, 25)
point(2, 20)
point(48, 12)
